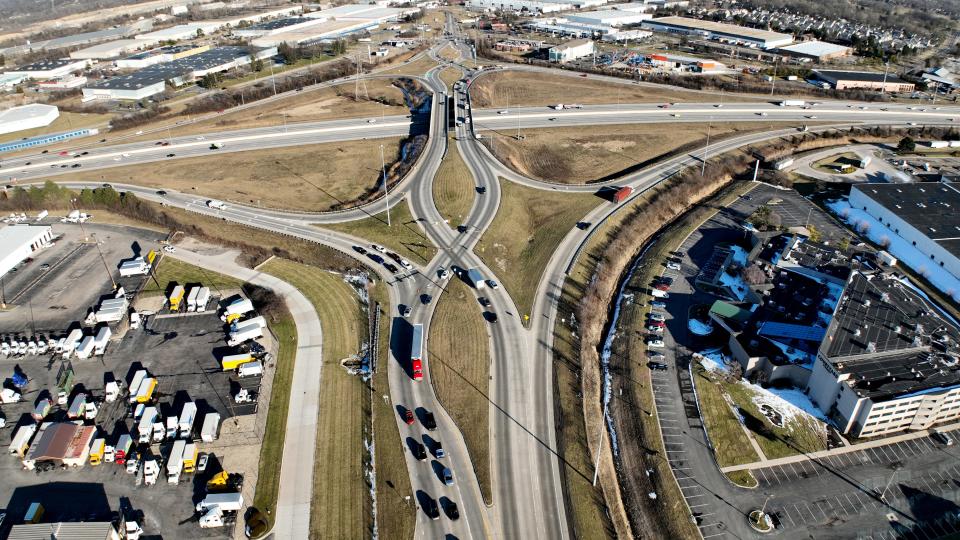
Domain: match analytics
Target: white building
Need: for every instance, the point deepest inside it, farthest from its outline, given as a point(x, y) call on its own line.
point(528, 6)
point(8, 81)
point(27, 117)
point(278, 26)
point(726, 33)
point(49, 69)
point(112, 49)
point(65, 83)
point(17, 242)
point(609, 17)
point(571, 50)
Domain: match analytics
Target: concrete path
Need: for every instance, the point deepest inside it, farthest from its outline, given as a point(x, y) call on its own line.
point(296, 489)
point(838, 451)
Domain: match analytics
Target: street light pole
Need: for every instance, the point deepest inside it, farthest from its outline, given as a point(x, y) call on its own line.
point(596, 463)
point(386, 192)
point(703, 168)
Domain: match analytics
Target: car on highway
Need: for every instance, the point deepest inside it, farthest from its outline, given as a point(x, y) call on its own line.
point(484, 301)
point(169, 249)
point(408, 417)
point(552, 118)
point(419, 451)
point(761, 114)
point(429, 421)
point(655, 329)
point(375, 258)
point(44, 266)
point(170, 155)
point(673, 265)
point(405, 311)
point(391, 267)
point(481, 189)
point(447, 476)
point(444, 273)
point(503, 112)
point(406, 264)
point(379, 248)
point(84, 153)
point(657, 366)
point(490, 316)
point(430, 507)
point(360, 250)
point(492, 284)
point(655, 355)
point(75, 165)
point(450, 508)
point(438, 451)
point(372, 121)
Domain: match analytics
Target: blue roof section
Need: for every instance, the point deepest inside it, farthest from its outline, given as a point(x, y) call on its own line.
point(45, 139)
point(793, 331)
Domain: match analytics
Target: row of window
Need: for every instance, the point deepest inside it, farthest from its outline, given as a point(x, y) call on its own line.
point(945, 411)
point(45, 140)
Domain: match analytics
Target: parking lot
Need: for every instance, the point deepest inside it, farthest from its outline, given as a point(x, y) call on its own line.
point(55, 289)
point(182, 351)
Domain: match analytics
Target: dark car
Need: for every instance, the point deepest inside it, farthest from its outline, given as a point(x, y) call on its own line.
point(419, 451)
point(106, 185)
point(162, 193)
point(450, 508)
point(429, 421)
point(490, 316)
point(84, 153)
point(170, 155)
point(484, 301)
point(430, 508)
point(75, 165)
point(360, 250)
point(657, 366)
point(391, 267)
point(666, 280)
point(481, 189)
point(375, 258)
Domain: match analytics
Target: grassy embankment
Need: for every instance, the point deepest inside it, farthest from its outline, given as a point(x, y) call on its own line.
point(453, 187)
point(403, 235)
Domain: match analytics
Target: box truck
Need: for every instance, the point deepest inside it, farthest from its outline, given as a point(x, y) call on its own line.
point(85, 349)
point(192, 298)
point(245, 333)
point(145, 392)
point(77, 406)
point(175, 462)
point(476, 278)
point(234, 361)
point(203, 298)
point(100, 342)
point(190, 458)
point(185, 422)
point(211, 427)
point(71, 342)
point(145, 427)
point(176, 298)
point(622, 194)
point(135, 383)
point(250, 369)
point(122, 450)
point(171, 427)
point(96, 451)
point(236, 309)
point(258, 320)
point(134, 267)
point(21, 440)
point(228, 502)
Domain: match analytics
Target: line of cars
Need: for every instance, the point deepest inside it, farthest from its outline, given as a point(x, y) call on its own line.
point(376, 256)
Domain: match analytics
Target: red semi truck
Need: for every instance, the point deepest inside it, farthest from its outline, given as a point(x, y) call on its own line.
point(416, 352)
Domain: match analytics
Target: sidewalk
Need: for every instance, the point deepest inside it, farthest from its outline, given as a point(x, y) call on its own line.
point(837, 451)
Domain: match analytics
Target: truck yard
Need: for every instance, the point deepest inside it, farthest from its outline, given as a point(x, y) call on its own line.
point(116, 402)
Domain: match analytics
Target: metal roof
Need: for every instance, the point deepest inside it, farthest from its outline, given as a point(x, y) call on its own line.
point(862, 76)
point(932, 208)
point(26, 112)
point(15, 236)
point(815, 48)
point(721, 28)
point(102, 530)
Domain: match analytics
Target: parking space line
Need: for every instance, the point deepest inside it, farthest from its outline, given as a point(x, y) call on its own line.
point(811, 512)
point(760, 471)
point(876, 455)
point(844, 508)
point(817, 506)
point(713, 535)
point(775, 476)
point(911, 449)
point(787, 515)
point(792, 468)
point(699, 505)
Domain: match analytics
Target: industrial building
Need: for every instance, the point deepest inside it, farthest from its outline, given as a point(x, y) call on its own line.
point(9, 81)
point(112, 49)
point(159, 56)
point(528, 6)
point(153, 79)
point(727, 33)
point(64, 83)
point(865, 80)
point(888, 362)
point(609, 17)
point(182, 31)
point(815, 51)
point(91, 530)
point(571, 50)
point(61, 443)
point(922, 216)
point(49, 69)
point(77, 40)
point(329, 30)
point(27, 117)
point(18, 242)
point(363, 12)
point(277, 26)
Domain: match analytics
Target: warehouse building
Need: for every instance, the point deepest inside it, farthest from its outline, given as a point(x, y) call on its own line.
point(727, 33)
point(864, 80)
point(922, 216)
point(278, 26)
point(90, 530)
point(18, 242)
point(609, 17)
point(49, 69)
point(571, 50)
point(112, 49)
point(153, 79)
point(159, 56)
point(27, 117)
point(815, 51)
point(182, 31)
point(325, 31)
point(520, 6)
point(888, 362)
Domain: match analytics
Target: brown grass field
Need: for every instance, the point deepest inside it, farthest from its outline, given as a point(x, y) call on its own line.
point(453, 187)
point(312, 178)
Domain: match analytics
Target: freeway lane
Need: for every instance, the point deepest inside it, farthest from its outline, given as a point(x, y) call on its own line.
point(628, 113)
point(202, 145)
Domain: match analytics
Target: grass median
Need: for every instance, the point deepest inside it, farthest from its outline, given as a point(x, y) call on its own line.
point(341, 504)
point(449, 76)
point(460, 372)
point(403, 235)
point(529, 225)
point(453, 187)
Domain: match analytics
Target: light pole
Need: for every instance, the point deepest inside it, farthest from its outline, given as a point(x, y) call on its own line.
point(596, 463)
point(703, 168)
point(883, 495)
point(886, 67)
point(386, 192)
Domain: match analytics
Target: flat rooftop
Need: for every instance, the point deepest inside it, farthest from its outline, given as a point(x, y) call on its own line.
point(25, 112)
point(161, 72)
point(898, 376)
point(47, 65)
point(14, 236)
point(279, 23)
point(815, 48)
point(861, 76)
point(933, 208)
point(721, 28)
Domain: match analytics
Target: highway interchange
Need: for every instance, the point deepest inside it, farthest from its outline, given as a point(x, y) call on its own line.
point(528, 499)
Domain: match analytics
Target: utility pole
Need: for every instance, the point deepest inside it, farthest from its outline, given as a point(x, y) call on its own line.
point(886, 67)
point(773, 80)
point(386, 192)
point(273, 78)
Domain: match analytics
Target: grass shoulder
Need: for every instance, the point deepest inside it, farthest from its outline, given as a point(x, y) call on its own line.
point(453, 187)
point(460, 372)
point(529, 226)
point(403, 235)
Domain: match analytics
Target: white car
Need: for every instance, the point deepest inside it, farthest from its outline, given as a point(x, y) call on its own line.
point(379, 248)
point(372, 121)
point(169, 249)
point(444, 274)
point(504, 112)
point(406, 264)
point(202, 462)
point(673, 265)
point(655, 343)
point(762, 113)
point(657, 317)
point(492, 284)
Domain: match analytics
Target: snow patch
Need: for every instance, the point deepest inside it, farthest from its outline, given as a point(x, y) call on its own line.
point(739, 255)
point(712, 360)
point(791, 403)
point(735, 284)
